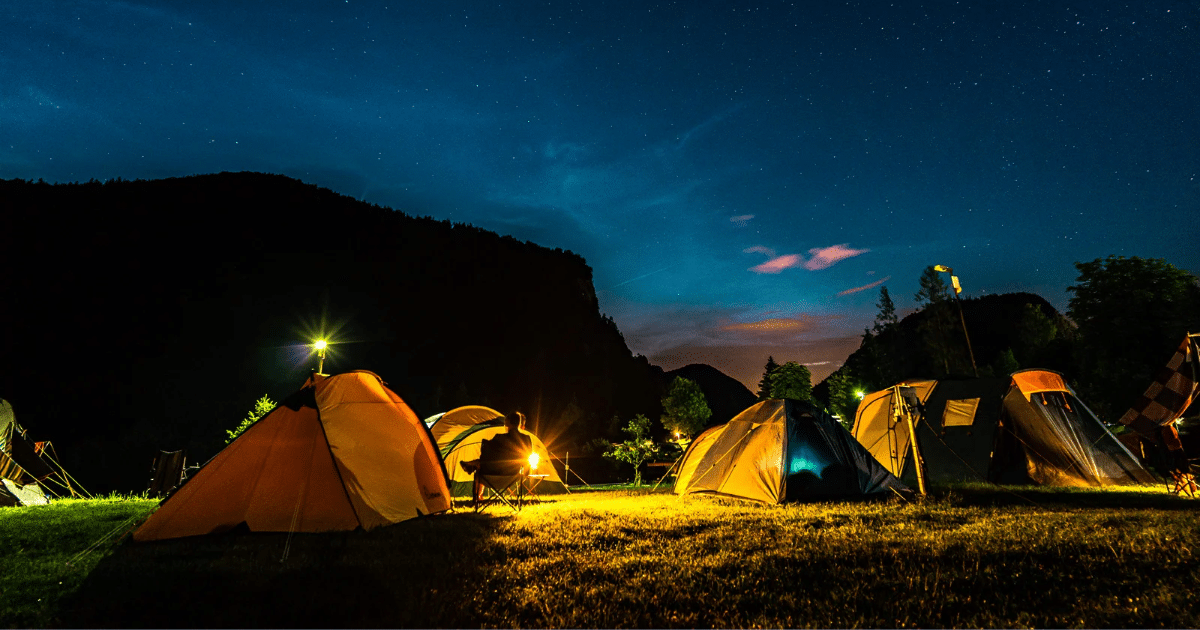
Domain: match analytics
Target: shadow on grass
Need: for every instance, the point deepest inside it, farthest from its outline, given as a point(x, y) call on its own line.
point(412, 574)
point(1140, 497)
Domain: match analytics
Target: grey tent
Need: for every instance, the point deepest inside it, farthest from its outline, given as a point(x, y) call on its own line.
point(1027, 428)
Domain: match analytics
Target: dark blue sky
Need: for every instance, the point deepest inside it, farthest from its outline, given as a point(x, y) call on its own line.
point(740, 176)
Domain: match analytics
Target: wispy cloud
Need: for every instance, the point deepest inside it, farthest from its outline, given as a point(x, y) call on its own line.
point(825, 257)
point(779, 263)
point(864, 287)
point(822, 258)
point(773, 325)
point(741, 220)
point(687, 135)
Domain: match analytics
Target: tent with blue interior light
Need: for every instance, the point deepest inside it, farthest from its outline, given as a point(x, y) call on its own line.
point(1025, 428)
point(779, 451)
point(459, 434)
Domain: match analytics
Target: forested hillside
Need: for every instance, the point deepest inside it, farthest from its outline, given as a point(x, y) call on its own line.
point(146, 315)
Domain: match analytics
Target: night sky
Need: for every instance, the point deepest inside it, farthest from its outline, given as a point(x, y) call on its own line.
point(740, 176)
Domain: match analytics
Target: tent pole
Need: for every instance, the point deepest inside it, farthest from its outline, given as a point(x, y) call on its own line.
point(668, 473)
point(918, 464)
point(567, 472)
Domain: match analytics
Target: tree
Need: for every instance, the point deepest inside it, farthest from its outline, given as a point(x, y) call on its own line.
point(933, 290)
point(685, 410)
point(1005, 363)
point(637, 449)
point(262, 407)
point(1131, 314)
point(880, 344)
point(1034, 331)
point(886, 318)
point(843, 396)
point(792, 380)
point(939, 322)
point(764, 385)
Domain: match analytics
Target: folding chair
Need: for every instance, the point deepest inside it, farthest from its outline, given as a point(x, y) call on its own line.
point(1184, 481)
point(501, 488)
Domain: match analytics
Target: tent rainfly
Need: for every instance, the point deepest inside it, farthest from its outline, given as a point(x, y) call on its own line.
point(1027, 428)
point(459, 433)
point(343, 452)
point(29, 470)
point(782, 450)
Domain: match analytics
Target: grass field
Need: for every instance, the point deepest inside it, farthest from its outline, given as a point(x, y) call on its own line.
point(974, 557)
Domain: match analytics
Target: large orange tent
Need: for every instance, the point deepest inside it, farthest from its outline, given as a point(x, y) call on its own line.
point(343, 452)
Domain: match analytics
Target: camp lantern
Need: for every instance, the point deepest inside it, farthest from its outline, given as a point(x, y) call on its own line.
point(533, 462)
point(320, 346)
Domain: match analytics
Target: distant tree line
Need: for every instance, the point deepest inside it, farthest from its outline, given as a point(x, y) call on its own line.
point(1125, 318)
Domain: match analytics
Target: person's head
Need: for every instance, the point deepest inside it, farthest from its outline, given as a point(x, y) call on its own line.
point(515, 420)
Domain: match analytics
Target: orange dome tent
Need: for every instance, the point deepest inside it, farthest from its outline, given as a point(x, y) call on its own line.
point(343, 452)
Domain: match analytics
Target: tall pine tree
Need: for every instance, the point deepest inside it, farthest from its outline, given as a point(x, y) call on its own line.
point(764, 385)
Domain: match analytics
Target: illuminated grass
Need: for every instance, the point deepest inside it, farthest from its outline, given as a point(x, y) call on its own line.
point(977, 557)
point(44, 552)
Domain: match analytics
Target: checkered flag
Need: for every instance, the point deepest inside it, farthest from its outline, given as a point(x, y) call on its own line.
point(1168, 396)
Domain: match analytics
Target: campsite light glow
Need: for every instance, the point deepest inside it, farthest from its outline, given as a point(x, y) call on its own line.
point(320, 346)
point(533, 462)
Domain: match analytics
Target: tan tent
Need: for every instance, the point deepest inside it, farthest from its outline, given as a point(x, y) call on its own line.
point(1025, 428)
point(459, 432)
point(343, 452)
point(782, 450)
point(29, 470)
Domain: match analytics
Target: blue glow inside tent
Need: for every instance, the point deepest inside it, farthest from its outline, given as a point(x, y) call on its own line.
point(804, 458)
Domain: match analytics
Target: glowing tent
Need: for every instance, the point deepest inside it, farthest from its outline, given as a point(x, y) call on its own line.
point(458, 434)
point(1026, 428)
point(782, 450)
point(343, 452)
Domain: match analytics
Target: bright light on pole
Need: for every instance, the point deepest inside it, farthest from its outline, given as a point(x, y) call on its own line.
point(860, 394)
point(320, 346)
point(958, 302)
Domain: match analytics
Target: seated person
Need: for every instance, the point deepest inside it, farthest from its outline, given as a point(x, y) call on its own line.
point(505, 454)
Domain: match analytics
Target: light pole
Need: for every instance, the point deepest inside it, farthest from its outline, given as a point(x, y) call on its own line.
point(320, 345)
point(957, 302)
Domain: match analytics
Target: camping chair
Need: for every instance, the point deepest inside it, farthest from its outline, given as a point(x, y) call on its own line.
point(502, 473)
point(507, 489)
point(1183, 481)
point(168, 473)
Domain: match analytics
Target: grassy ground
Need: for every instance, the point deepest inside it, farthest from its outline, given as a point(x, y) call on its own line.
point(45, 552)
point(975, 557)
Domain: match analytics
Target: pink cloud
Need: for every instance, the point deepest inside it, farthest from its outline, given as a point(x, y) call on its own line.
point(865, 286)
point(741, 219)
point(775, 265)
point(825, 257)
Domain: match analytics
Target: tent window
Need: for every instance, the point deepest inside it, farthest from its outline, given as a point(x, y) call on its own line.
point(960, 413)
